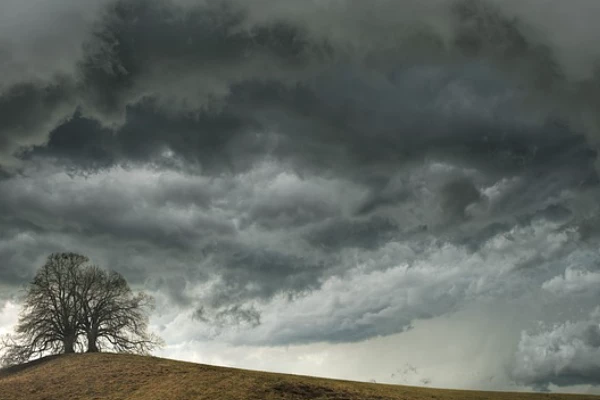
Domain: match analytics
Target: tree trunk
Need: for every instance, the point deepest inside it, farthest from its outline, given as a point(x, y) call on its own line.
point(92, 345)
point(69, 345)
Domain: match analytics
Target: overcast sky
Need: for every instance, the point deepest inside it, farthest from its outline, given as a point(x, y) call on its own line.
point(405, 191)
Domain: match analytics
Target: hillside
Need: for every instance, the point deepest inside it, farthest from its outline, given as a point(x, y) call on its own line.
point(111, 376)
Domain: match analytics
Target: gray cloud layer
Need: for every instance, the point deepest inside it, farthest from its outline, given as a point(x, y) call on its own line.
point(278, 172)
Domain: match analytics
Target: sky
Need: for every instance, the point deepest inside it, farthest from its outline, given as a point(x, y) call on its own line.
point(393, 191)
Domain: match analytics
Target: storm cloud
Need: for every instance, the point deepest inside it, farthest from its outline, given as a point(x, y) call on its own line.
point(316, 173)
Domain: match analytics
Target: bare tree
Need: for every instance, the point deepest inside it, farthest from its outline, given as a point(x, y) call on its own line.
point(49, 320)
point(69, 299)
point(113, 315)
point(13, 351)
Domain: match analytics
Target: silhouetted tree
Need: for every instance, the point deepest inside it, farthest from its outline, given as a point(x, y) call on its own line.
point(13, 351)
point(69, 299)
point(49, 320)
point(113, 316)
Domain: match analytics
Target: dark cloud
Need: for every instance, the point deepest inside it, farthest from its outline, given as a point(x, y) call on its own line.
point(148, 49)
point(484, 31)
point(364, 234)
point(474, 239)
point(308, 127)
point(248, 273)
point(29, 110)
point(182, 58)
point(456, 196)
point(81, 143)
point(589, 228)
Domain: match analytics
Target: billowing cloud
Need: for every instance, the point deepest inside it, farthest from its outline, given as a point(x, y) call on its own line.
point(229, 61)
point(565, 354)
point(573, 281)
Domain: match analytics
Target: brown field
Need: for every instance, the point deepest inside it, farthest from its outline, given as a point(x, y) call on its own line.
point(112, 376)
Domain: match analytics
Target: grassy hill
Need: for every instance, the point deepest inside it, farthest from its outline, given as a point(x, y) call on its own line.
point(112, 376)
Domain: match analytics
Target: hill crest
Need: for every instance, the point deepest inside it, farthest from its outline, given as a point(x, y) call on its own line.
point(118, 376)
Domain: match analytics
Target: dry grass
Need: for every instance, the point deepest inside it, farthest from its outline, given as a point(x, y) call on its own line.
point(111, 376)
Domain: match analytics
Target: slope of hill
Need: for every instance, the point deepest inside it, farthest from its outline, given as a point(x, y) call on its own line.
point(112, 376)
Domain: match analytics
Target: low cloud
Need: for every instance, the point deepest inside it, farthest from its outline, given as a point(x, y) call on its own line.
point(565, 354)
point(572, 282)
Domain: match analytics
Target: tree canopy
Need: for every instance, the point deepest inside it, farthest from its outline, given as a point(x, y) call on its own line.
point(72, 305)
